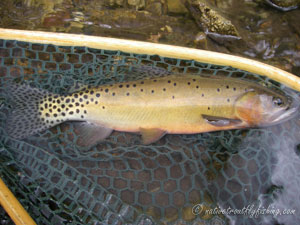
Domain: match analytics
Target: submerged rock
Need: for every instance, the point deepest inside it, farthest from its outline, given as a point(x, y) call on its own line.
point(284, 5)
point(176, 7)
point(211, 22)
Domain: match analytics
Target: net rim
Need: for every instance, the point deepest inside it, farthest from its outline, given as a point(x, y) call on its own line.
point(140, 47)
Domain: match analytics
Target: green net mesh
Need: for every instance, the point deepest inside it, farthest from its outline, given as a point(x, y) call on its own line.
point(120, 181)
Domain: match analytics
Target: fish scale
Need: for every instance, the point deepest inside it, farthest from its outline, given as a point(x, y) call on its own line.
point(174, 104)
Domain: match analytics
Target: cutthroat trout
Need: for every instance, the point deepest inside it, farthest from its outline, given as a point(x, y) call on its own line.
point(174, 104)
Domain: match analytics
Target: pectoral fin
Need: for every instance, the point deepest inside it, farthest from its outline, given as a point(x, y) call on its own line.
point(221, 121)
point(151, 135)
point(90, 134)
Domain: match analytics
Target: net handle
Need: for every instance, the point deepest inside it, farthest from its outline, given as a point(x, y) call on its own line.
point(140, 47)
point(13, 207)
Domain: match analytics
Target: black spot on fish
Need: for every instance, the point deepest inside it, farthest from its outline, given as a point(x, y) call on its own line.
point(169, 81)
point(55, 115)
point(120, 86)
point(106, 90)
point(50, 110)
point(175, 84)
point(75, 95)
point(81, 93)
point(208, 108)
point(173, 96)
point(40, 113)
point(142, 90)
point(71, 112)
point(97, 95)
point(103, 107)
point(85, 96)
point(189, 83)
point(234, 89)
point(164, 89)
point(96, 102)
point(227, 86)
point(228, 100)
point(41, 109)
point(87, 102)
point(63, 106)
point(70, 105)
point(197, 86)
point(80, 100)
point(73, 100)
point(92, 92)
point(58, 110)
point(49, 99)
point(77, 104)
point(92, 99)
point(67, 100)
point(127, 93)
point(218, 89)
point(154, 80)
point(113, 94)
point(77, 110)
point(127, 85)
point(134, 85)
point(85, 111)
point(152, 91)
point(47, 115)
point(58, 101)
point(194, 80)
point(54, 107)
point(82, 105)
point(142, 82)
point(202, 95)
point(82, 116)
point(87, 91)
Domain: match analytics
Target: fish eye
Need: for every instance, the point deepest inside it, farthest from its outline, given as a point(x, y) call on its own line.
point(277, 101)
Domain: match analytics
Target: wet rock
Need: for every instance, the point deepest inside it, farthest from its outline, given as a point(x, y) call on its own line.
point(156, 7)
point(137, 4)
point(212, 22)
point(57, 19)
point(176, 7)
point(201, 40)
point(114, 3)
point(284, 5)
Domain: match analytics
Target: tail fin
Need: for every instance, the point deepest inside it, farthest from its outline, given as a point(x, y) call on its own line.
point(24, 119)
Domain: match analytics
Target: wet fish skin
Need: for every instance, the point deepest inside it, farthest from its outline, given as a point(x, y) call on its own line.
point(174, 104)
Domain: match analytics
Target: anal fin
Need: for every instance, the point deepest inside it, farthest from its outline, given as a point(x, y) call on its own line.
point(151, 135)
point(221, 121)
point(90, 134)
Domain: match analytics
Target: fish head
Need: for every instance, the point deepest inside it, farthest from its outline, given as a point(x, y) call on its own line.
point(266, 107)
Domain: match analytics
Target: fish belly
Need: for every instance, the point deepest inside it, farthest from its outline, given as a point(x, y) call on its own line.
point(173, 120)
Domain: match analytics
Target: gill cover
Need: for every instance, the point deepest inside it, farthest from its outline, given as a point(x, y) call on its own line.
point(248, 108)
